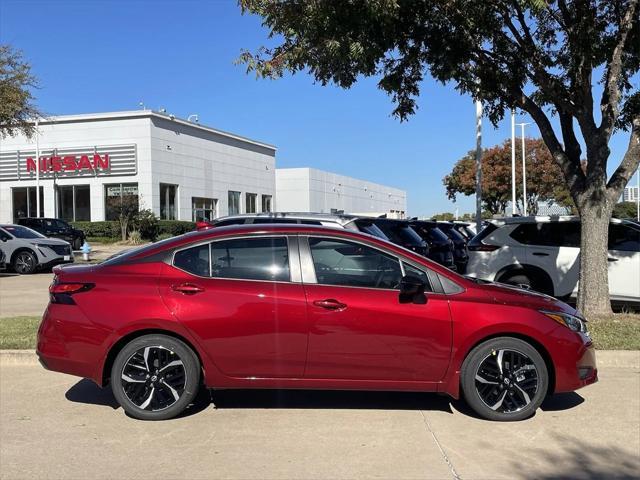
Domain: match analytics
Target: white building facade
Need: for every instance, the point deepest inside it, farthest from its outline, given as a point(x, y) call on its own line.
point(630, 194)
point(92, 166)
point(313, 190)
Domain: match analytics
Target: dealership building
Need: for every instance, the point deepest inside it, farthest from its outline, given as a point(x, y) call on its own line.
point(92, 166)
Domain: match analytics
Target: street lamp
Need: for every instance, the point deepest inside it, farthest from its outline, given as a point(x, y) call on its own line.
point(194, 116)
point(524, 171)
point(478, 163)
point(37, 171)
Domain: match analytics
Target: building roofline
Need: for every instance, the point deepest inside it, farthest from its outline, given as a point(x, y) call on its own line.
point(88, 117)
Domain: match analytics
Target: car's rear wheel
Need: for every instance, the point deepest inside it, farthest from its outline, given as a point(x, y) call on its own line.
point(24, 263)
point(155, 377)
point(504, 379)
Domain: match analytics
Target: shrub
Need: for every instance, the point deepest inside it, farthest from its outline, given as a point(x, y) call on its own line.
point(175, 227)
point(147, 224)
point(109, 229)
point(164, 236)
point(135, 237)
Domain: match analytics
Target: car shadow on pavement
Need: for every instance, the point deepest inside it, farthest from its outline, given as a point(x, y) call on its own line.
point(85, 391)
point(561, 401)
point(330, 399)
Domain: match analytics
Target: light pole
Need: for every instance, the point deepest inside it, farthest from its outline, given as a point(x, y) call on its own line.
point(524, 172)
point(478, 164)
point(37, 172)
point(638, 195)
point(513, 163)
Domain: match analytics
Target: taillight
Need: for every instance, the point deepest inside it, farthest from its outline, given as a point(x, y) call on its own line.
point(62, 292)
point(70, 288)
point(482, 247)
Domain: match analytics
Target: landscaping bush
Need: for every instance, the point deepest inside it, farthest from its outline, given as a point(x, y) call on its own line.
point(109, 229)
point(147, 224)
point(175, 227)
point(135, 237)
point(164, 236)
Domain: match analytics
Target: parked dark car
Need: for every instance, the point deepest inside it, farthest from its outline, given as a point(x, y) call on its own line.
point(440, 246)
point(460, 255)
point(3, 260)
point(55, 228)
point(401, 233)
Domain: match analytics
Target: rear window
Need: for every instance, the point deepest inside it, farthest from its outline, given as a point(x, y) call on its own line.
point(624, 238)
point(432, 234)
point(484, 233)
point(370, 228)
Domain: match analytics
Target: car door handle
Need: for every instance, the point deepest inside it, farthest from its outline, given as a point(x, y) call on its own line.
point(611, 259)
point(187, 288)
point(540, 254)
point(330, 304)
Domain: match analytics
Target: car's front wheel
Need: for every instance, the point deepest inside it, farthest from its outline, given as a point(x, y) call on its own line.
point(155, 377)
point(24, 263)
point(504, 379)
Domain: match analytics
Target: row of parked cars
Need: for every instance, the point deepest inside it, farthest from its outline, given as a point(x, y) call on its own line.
point(37, 244)
point(442, 242)
point(538, 253)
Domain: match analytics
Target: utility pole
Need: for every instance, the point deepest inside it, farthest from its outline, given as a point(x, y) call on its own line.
point(37, 172)
point(638, 194)
point(524, 173)
point(513, 163)
point(478, 164)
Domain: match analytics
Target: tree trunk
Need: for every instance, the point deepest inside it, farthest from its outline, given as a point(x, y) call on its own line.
point(593, 294)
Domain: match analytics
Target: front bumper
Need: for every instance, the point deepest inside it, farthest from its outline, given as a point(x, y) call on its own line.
point(578, 370)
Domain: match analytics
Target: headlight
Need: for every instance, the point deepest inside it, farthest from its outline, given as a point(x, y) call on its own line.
point(571, 321)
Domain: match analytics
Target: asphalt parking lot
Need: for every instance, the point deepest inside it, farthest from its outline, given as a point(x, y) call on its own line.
point(57, 426)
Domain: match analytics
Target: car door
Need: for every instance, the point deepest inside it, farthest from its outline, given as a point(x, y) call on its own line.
point(244, 300)
point(624, 261)
point(358, 327)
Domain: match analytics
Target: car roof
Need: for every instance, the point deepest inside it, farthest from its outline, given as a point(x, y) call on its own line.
point(275, 228)
point(542, 219)
point(340, 218)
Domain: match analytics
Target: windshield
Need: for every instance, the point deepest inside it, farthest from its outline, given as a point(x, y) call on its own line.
point(19, 231)
point(400, 233)
point(371, 229)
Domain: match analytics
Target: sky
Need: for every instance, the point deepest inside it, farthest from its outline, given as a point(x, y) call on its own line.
point(103, 56)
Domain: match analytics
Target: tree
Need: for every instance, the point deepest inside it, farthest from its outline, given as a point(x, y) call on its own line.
point(544, 177)
point(540, 57)
point(17, 110)
point(625, 210)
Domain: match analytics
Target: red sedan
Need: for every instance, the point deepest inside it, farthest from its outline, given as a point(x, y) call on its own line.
point(295, 306)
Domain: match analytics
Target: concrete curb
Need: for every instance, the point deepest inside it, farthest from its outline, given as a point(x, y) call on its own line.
point(604, 358)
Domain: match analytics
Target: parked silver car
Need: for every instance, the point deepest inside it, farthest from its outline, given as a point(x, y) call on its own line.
point(27, 250)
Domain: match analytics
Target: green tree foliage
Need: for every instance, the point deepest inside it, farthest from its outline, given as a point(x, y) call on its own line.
point(625, 210)
point(16, 101)
point(544, 177)
point(540, 57)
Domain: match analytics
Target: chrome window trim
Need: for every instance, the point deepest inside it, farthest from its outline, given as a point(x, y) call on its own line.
point(234, 237)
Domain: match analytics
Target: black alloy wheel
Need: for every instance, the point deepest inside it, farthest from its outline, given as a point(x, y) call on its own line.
point(504, 379)
point(155, 377)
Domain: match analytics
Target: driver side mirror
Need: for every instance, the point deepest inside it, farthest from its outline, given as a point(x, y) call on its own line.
point(412, 290)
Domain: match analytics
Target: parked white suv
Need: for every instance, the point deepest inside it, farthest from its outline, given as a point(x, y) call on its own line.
point(543, 253)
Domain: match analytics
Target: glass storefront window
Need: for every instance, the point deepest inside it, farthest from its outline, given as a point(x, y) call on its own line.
point(252, 200)
point(266, 203)
point(234, 202)
point(204, 209)
point(168, 201)
point(24, 202)
point(74, 202)
point(120, 198)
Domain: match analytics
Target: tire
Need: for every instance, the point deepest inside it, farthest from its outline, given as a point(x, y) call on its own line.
point(529, 279)
point(511, 395)
point(77, 244)
point(24, 262)
point(156, 387)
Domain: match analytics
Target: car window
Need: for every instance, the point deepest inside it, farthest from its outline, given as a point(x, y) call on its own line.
point(343, 263)
point(251, 259)
point(552, 234)
point(400, 233)
point(370, 228)
point(4, 235)
point(262, 220)
point(61, 225)
point(19, 231)
point(416, 272)
point(624, 238)
point(194, 260)
point(232, 221)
